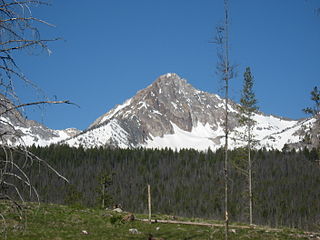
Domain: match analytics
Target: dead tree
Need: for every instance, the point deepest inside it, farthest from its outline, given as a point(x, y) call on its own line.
point(226, 72)
point(18, 32)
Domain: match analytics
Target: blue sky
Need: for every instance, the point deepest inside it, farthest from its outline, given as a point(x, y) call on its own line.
point(113, 48)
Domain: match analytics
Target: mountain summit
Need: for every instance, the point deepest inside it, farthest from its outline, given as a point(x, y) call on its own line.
point(172, 113)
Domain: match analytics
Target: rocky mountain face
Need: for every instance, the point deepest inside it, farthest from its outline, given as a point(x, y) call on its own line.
point(16, 129)
point(172, 113)
point(169, 113)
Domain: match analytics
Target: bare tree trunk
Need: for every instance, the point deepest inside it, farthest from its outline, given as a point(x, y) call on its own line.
point(149, 202)
point(226, 197)
point(226, 68)
point(103, 195)
point(250, 176)
point(226, 71)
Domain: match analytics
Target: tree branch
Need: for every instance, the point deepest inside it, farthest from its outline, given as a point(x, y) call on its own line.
point(36, 103)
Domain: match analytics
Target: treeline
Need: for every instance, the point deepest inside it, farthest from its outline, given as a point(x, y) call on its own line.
point(286, 185)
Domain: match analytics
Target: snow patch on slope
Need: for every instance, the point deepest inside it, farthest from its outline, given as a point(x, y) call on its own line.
point(29, 135)
point(29, 139)
point(111, 133)
point(272, 132)
point(199, 138)
point(267, 125)
point(288, 135)
point(112, 112)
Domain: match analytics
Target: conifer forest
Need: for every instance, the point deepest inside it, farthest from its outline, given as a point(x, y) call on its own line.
point(286, 184)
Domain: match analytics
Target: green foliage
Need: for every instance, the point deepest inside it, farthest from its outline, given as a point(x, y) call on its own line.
point(73, 196)
point(246, 111)
point(314, 154)
point(116, 219)
point(315, 96)
point(239, 159)
point(248, 101)
point(104, 199)
point(187, 183)
point(312, 136)
point(62, 222)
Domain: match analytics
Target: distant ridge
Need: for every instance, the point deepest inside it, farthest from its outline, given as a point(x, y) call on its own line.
point(29, 131)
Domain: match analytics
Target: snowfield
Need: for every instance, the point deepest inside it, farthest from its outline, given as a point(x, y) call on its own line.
point(271, 132)
point(198, 138)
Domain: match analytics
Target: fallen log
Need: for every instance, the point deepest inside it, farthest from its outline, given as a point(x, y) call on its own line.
point(303, 234)
point(183, 222)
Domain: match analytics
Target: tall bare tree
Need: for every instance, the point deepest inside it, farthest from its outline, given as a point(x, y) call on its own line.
point(18, 32)
point(226, 72)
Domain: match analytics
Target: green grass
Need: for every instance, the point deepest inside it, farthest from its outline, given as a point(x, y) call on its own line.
point(63, 222)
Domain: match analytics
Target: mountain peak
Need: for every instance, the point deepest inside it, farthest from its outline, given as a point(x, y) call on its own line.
point(171, 80)
point(169, 76)
point(172, 113)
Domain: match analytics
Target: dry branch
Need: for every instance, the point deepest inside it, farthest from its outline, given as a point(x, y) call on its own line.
point(36, 103)
point(18, 32)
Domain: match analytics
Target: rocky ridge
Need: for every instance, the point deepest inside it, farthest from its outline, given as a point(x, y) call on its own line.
point(172, 113)
point(17, 130)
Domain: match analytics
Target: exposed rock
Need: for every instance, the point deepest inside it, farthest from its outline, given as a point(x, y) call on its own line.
point(18, 130)
point(118, 210)
point(84, 232)
point(170, 105)
point(134, 231)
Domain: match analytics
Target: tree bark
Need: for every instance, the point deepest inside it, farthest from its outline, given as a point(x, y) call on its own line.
point(149, 202)
point(250, 176)
point(226, 69)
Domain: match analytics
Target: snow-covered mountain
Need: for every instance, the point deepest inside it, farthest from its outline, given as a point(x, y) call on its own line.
point(17, 130)
point(171, 113)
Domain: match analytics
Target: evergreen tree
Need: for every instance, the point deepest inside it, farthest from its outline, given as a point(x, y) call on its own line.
point(73, 196)
point(315, 112)
point(104, 198)
point(247, 109)
point(186, 183)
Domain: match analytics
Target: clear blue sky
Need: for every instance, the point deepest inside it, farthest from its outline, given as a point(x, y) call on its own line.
point(113, 48)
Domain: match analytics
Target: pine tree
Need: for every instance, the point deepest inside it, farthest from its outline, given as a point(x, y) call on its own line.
point(104, 198)
point(315, 96)
point(315, 112)
point(247, 109)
